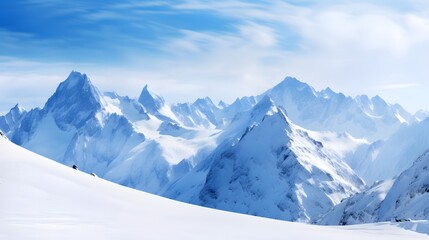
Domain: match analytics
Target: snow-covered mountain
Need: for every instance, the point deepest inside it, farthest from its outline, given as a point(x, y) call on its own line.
point(407, 196)
point(12, 119)
point(326, 110)
point(267, 166)
point(104, 134)
point(421, 115)
point(248, 157)
point(361, 208)
point(396, 154)
point(202, 113)
point(45, 200)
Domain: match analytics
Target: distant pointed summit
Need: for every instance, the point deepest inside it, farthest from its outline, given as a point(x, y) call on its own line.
point(17, 109)
point(12, 118)
point(222, 104)
point(291, 82)
point(76, 78)
point(265, 107)
point(75, 100)
point(421, 115)
point(150, 100)
point(290, 86)
point(328, 93)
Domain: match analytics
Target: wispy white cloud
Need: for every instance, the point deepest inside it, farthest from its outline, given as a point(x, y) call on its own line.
point(354, 47)
point(400, 86)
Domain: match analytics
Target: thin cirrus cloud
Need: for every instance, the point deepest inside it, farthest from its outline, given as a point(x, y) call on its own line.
point(223, 48)
point(400, 86)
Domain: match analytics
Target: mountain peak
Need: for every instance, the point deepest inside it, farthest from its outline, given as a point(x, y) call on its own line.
point(12, 118)
point(289, 79)
point(205, 100)
point(151, 100)
point(291, 85)
point(222, 104)
point(17, 109)
point(377, 98)
point(76, 78)
point(292, 82)
point(327, 93)
point(421, 115)
point(75, 100)
point(266, 107)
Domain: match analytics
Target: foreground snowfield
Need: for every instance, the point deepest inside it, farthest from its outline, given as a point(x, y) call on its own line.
point(42, 199)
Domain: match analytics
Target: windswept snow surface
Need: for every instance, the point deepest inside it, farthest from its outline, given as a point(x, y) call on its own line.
point(42, 199)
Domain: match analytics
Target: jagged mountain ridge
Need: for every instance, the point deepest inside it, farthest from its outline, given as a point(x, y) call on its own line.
point(147, 144)
point(13, 118)
point(80, 126)
point(268, 168)
point(325, 110)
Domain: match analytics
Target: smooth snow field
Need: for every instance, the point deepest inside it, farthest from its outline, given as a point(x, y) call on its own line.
point(42, 199)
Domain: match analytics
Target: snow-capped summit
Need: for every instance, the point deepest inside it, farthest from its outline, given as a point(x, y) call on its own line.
point(155, 105)
point(327, 93)
point(264, 107)
point(292, 84)
point(221, 104)
point(327, 110)
point(12, 119)
point(203, 112)
point(267, 166)
point(245, 120)
point(247, 157)
point(421, 115)
point(75, 101)
point(151, 100)
point(17, 110)
point(73, 120)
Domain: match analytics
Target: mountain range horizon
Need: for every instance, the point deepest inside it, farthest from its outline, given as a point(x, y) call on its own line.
point(310, 143)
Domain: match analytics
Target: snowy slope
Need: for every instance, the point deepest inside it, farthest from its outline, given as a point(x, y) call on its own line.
point(360, 208)
point(268, 168)
point(104, 134)
point(409, 195)
point(405, 197)
point(357, 153)
point(186, 151)
point(42, 199)
point(398, 152)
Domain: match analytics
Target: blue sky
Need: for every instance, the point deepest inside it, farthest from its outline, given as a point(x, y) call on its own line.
point(224, 49)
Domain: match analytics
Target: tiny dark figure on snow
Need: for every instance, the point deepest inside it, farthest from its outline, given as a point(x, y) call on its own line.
point(74, 167)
